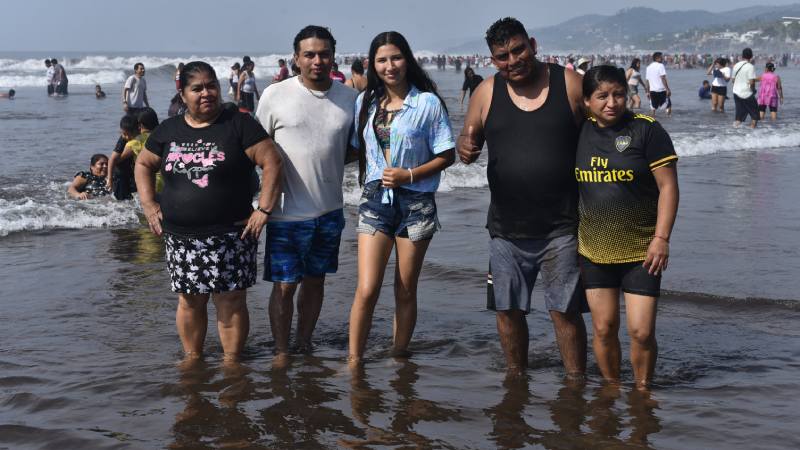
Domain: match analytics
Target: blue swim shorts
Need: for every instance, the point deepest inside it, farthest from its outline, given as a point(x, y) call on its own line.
point(306, 247)
point(412, 214)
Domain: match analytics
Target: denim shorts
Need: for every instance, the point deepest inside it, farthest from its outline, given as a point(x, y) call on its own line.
point(514, 265)
point(412, 214)
point(305, 247)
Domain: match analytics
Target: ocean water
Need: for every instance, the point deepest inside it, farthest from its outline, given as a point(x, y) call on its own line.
point(89, 356)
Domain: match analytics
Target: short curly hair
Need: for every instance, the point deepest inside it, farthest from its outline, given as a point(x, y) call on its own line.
point(501, 31)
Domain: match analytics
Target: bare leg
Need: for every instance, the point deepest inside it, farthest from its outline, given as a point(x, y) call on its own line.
point(773, 115)
point(571, 339)
point(373, 255)
point(281, 308)
point(233, 321)
point(641, 314)
point(191, 319)
point(513, 330)
point(762, 114)
point(309, 305)
point(409, 255)
point(604, 304)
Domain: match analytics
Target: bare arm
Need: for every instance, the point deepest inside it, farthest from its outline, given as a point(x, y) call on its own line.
point(146, 102)
point(668, 195)
point(463, 94)
point(779, 87)
point(144, 172)
point(666, 86)
point(265, 155)
point(112, 162)
point(74, 188)
point(574, 82)
point(125, 98)
point(710, 69)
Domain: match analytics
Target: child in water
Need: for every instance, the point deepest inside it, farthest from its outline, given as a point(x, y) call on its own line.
point(98, 92)
point(705, 91)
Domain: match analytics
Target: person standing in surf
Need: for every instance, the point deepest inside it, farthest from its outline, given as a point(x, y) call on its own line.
point(310, 117)
point(205, 212)
point(405, 141)
point(628, 185)
point(528, 115)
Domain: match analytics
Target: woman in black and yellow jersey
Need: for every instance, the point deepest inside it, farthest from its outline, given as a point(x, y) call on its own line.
point(628, 184)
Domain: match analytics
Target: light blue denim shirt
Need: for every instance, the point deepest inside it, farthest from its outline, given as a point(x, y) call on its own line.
point(420, 131)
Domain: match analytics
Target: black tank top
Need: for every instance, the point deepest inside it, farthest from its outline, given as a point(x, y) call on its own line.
point(534, 193)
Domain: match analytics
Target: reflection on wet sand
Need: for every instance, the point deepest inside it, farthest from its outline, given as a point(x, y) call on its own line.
point(207, 422)
point(370, 408)
point(578, 423)
point(300, 417)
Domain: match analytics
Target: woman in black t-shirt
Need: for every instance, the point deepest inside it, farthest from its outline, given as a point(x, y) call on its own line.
point(627, 180)
point(207, 157)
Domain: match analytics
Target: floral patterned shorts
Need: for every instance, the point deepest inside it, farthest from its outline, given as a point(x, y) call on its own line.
point(217, 263)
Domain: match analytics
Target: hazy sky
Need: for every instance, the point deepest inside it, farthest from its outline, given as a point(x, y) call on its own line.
point(204, 26)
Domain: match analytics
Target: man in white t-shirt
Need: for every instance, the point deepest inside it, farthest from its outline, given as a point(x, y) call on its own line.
point(134, 94)
point(657, 88)
point(309, 117)
point(744, 88)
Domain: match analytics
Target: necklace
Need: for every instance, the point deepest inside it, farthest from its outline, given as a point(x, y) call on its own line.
point(317, 94)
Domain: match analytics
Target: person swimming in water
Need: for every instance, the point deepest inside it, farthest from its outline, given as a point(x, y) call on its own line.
point(10, 95)
point(98, 92)
point(91, 184)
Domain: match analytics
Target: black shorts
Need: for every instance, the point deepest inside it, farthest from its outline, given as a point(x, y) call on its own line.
point(632, 278)
point(763, 108)
point(51, 89)
point(658, 99)
point(247, 101)
point(746, 107)
point(720, 90)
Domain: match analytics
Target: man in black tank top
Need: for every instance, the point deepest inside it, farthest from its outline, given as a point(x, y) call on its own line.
point(528, 115)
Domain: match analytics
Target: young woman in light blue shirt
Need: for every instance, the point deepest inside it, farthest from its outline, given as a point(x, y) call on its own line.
point(405, 140)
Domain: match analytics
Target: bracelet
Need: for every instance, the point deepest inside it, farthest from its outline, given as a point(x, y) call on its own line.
point(412, 176)
point(262, 210)
point(661, 237)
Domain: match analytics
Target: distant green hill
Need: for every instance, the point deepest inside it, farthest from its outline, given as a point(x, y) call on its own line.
point(640, 28)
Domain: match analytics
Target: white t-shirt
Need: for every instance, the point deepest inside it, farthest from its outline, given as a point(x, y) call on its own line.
point(137, 88)
point(653, 75)
point(743, 72)
point(51, 73)
point(720, 81)
point(311, 130)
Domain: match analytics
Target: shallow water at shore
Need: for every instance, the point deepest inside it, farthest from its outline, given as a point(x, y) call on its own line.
point(89, 356)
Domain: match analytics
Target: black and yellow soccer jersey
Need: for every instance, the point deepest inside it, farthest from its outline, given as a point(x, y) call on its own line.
point(618, 202)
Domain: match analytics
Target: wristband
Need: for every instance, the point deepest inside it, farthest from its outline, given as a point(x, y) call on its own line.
point(262, 210)
point(661, 237)
point(412, 176)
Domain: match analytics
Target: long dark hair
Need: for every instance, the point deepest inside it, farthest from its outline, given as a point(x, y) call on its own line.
point(415, 75)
